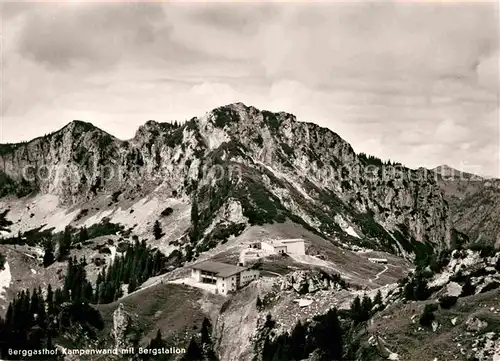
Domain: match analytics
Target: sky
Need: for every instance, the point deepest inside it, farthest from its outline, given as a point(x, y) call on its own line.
point(415, 82)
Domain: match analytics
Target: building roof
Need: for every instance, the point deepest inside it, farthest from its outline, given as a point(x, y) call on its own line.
point(291, 240)
point(284, 242)
point(219, 268)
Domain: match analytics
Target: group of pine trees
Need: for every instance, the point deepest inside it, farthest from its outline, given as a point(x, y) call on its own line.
point(416, 287)
point(324, 335)
point(157, 231)
point(204, 348)
point(362, 309)
point(34, 319)
point(138, 264)
point(372, 160)
point(62, 241)
point(200, 346)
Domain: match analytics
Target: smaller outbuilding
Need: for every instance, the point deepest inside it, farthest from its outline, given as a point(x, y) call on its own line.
point(289, 246)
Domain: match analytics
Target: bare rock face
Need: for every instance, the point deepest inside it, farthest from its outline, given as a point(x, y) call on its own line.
point(486, 348)
point(304, 282)
point(453, 289)
point(474, 324)
point(121, 322)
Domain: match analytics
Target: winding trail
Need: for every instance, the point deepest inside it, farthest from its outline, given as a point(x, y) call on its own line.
point(381, 272)
point(377, 276)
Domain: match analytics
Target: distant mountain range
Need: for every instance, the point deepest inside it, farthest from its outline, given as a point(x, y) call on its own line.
point(474, 203)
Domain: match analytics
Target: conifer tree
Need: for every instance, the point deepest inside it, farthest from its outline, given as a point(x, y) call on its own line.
point(50, 300)
point(157, 231)
point(132, 286)
point(356, 310)
point(193, 352)
point(258, 303)
point(48, 256)
point(378, 298)
point(194, 220)
point(366, 306)
point(298, 342)
point(206, 331)
point(84, 234)
point(64, 244)
point(157, 342)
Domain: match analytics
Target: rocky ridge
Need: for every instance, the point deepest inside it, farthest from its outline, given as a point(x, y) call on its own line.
point(267, 165)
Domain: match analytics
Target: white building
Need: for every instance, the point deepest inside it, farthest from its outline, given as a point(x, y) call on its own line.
point(224, 276)
point(290, 246)
point(378, 260)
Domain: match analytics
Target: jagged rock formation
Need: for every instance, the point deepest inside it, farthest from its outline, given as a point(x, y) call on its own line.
point(262, 167)
point(469, 272)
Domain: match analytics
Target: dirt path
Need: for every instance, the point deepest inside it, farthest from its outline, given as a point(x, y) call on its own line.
point(382, 272)
point(377, 276)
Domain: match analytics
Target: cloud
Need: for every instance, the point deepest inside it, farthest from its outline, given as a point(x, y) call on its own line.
point(63, 36)
point(415, 82)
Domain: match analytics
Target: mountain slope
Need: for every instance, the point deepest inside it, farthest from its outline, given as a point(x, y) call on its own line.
point(237, 166)
point(474, 203)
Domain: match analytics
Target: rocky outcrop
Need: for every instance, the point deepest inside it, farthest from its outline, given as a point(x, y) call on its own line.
point(121, 324)
point(468, 273)
point(486, 348)
point(453, 289)
point(474, 324)
point(304, 282)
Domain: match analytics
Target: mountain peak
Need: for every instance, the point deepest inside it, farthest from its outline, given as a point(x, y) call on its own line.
point(81, 125)
point(237, 105)
point(445, 170)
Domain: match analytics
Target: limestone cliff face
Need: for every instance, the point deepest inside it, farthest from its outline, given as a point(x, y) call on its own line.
point(272, 167)
point(64, 163)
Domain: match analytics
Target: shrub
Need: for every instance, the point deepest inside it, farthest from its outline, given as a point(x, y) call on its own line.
point(258, 303)
point(105, 250)
point(223, 116)
point(491, 286)
point(157, 231)
point(122, 247)
point(270, 323)
point(115, 195)
point(167, 212)
point(81, 214)
point(468, 288)
point(428, 315)
point(104, 228)
point(485, 248)
point(447, 302)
